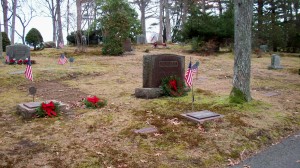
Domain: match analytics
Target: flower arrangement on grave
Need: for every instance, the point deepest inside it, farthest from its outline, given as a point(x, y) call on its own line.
point(173, 86)
point(20, 62)
point(94, 102)
point(50, 109)
point(12, 61)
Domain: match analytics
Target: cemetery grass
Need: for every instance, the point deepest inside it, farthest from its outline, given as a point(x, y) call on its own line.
point(104, 137)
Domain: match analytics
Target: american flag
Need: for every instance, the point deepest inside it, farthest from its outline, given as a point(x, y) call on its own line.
point(7, 59)
point(28, 71)
point(62, 59)
point(189, 75)
point(61, 45)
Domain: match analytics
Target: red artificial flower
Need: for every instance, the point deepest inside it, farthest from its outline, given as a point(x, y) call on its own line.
point(25, 61)
point(12, 61)
point(173, 84)
point(20, 62)
point(49, 109)
point(93, 100)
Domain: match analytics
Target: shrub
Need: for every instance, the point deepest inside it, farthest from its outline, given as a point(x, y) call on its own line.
point(5, 41)
point(34, 38)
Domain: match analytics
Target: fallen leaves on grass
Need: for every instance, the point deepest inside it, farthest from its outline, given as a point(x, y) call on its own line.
point(157, 154)
point(232, 162)
point(174, 121)
point(201, 129)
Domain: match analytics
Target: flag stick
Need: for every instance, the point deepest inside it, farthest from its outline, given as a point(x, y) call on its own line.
point(192, 89)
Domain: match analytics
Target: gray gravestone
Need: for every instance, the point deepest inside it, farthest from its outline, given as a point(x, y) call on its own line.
point(264, 48)
point(140, 39)
point(157, 67)
point(127, 45)
point(18, 51)
point(275, 62)
point(147, 130)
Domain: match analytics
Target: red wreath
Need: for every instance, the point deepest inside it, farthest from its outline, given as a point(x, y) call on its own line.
point(49, 109)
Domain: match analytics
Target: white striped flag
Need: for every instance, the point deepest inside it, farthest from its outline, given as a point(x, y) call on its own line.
point(7, 59)
point(28, 70)
point(62, 59)
point(189, 75)
point(61, 45)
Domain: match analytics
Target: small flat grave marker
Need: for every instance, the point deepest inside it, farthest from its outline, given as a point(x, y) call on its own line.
point(270, 94)
point(201, 116)
point(16, 72)
point(147, 130)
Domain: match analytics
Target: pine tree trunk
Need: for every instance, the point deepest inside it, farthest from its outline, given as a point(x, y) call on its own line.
point(60, 38)
point(161, 20)
point(143, 18)
point(5, 19)
point(13, 24)
point(168, 24)
point(242, 50)
point(79, 19)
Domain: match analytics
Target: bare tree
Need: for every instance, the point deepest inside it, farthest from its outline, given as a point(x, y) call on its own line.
point(243, 11)
point(1, 48)
point(161, 20)
point(25, 18)
point(79, 21)
point(167, 21)
point(144, 7)
point(51, 6)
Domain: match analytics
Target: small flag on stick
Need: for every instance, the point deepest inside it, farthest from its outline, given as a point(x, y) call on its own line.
point(61, 45)
point(7, 59)
point(28, 70)
point(62, 59)
point(189, 75)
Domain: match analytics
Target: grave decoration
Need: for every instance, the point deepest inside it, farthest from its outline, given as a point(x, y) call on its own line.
point(173, 86)
point(19, 62)
point(94, 102)
point(50, 109)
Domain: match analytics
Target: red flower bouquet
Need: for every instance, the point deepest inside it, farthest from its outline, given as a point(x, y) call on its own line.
point(94, 102)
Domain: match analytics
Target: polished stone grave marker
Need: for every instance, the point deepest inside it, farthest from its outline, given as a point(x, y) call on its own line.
point(201, 116)
point(147, 130)
point(27, 110)
point(155, 68)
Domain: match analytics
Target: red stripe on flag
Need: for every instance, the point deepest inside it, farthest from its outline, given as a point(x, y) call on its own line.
point(28, 72)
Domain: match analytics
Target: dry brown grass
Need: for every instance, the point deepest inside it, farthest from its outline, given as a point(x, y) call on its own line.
point(104, 137)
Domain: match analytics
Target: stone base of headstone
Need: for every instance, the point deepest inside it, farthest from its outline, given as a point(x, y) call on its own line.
point(275, 67)
point(148, 93)
point(27, 110)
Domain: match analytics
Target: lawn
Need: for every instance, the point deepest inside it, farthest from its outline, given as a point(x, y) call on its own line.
point(104, 137)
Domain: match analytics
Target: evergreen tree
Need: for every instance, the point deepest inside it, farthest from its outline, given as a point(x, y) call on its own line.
point(118, 21)
point(34, 38)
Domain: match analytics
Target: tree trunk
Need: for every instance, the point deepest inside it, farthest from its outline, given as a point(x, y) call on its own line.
point(5, 17)
point(220, 7)
point(1, 48)
point(60, 37)
point(161, 20)
point(13, 24)
point(273, 24)
point(168, 24)
point(243, 11)
point(143, 17)
point(79, 19)
point(203, 6)
point(68, 16)
point(184, 11)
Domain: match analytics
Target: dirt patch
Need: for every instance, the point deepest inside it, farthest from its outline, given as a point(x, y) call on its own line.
point(58, 91)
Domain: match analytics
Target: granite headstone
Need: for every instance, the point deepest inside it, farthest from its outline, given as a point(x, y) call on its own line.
point(18, 51)
point(275, 62)
point(127, 45)
point(157, 67)
point(140, 39)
